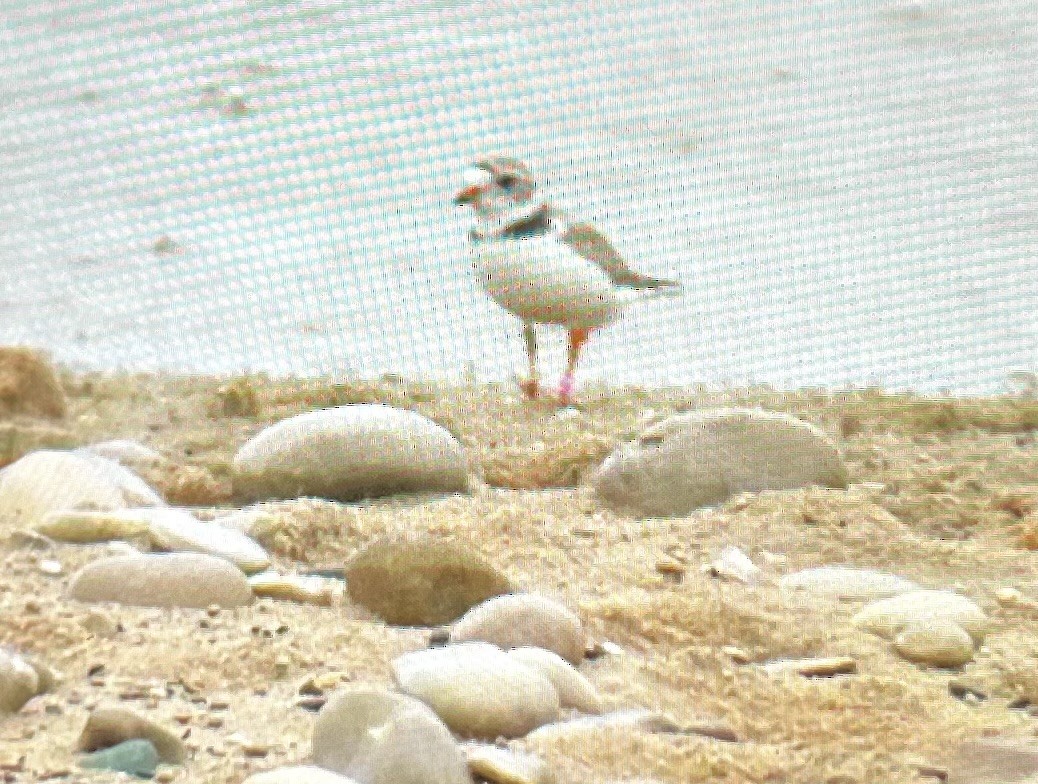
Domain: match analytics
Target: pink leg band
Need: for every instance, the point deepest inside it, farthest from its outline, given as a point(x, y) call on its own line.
point(566, 385)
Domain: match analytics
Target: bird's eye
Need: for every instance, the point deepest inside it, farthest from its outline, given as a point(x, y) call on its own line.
point(507, 180)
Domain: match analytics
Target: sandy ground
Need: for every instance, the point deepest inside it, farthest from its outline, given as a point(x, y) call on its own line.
point(941, 492)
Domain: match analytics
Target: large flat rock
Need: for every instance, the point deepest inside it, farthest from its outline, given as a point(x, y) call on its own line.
point(53, 481)
point(701, 458)
point(162, 580)
point(348, 453)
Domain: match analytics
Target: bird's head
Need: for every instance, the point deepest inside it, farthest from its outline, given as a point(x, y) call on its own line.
point(499, 188)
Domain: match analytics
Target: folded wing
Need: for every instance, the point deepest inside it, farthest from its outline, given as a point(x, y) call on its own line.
point(591, 244)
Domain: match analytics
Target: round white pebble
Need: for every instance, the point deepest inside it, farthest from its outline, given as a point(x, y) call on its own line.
point(478, 690)
point(523, 619)
point(938, 643)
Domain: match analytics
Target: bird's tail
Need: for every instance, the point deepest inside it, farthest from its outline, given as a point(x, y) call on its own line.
point(651, 288)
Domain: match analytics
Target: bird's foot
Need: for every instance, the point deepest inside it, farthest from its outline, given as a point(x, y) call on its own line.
point(566, 385)
point(531, 388)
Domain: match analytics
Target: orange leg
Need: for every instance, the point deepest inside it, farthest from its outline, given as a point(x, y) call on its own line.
point(577, 339)
point(531, 386)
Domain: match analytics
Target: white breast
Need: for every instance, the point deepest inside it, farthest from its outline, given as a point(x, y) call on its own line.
point(540, 279)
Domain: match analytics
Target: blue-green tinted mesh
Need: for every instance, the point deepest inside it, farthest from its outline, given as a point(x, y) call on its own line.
point(849, 191)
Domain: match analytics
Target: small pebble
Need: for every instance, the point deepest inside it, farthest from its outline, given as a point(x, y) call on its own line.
point(27, 539)
point(316, 685)
point(737, 655)
point(929, 771)
point(19, 682)
point(100, 624)
point(51, 567)
point(717, 729)
point(164, 528)
point(503, 766)
point(49, 774)
point(384, 737)
point(292, 588)
point(733, 564)
point(112, 725)
point(422, 581)
point(842, 582)
point(629, 720)
point(812, 668)
point(137, 757)
point(574, 690)
point(1012, 597)
point(670, 567)
point(603, 648)
point(439, 637)
point(173, 580)
point(888, 617)
point(12, 764)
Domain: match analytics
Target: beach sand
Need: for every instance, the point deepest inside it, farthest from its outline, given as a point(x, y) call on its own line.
point(942, 492)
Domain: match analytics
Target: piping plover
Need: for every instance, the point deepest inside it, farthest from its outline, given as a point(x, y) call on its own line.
point(543, 267)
